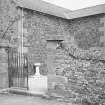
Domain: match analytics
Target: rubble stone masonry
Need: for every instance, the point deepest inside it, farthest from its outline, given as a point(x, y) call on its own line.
point(76, 48)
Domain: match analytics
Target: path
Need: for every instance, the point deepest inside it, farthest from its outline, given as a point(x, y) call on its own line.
point(10, 99)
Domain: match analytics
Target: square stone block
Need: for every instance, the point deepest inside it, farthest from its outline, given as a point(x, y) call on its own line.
point(3, 80)
point(3, 68)
point(56, 79)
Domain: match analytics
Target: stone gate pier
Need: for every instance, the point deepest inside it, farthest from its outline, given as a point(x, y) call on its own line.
point(4, 83)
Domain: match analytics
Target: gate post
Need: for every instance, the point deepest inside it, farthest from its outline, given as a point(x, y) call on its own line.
point(4, 82)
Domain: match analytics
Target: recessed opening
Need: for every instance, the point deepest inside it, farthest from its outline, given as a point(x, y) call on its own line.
point(53, 44)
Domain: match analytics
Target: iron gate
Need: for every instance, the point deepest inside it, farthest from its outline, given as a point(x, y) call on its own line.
point(17, 69)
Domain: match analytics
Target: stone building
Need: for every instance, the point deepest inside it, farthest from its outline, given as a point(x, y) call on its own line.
point(67, 43)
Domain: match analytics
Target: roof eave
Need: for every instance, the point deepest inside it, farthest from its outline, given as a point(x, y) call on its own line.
point(99, 9)
point(42, 6)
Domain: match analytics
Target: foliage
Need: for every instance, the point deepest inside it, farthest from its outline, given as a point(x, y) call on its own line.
point(86, 74)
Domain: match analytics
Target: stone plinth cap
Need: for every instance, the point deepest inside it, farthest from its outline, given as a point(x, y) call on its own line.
point(37, 64)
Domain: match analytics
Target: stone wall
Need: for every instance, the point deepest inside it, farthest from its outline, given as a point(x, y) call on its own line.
point(85, 31)
point(79, 57)
point(8, 24)
point(85, 73)
point(83, 64)
point(41, 29)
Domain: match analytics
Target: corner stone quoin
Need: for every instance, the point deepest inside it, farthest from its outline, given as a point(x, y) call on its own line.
point(102, 38)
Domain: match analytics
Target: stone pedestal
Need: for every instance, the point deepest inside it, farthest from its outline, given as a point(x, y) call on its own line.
point(37, 83)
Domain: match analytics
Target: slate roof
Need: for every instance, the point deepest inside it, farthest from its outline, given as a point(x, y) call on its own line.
point(45, 7)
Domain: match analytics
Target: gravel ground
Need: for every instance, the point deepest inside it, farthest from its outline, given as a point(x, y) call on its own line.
point(11, 99)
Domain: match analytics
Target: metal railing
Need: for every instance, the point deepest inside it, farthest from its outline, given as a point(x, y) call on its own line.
point(17, 69)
